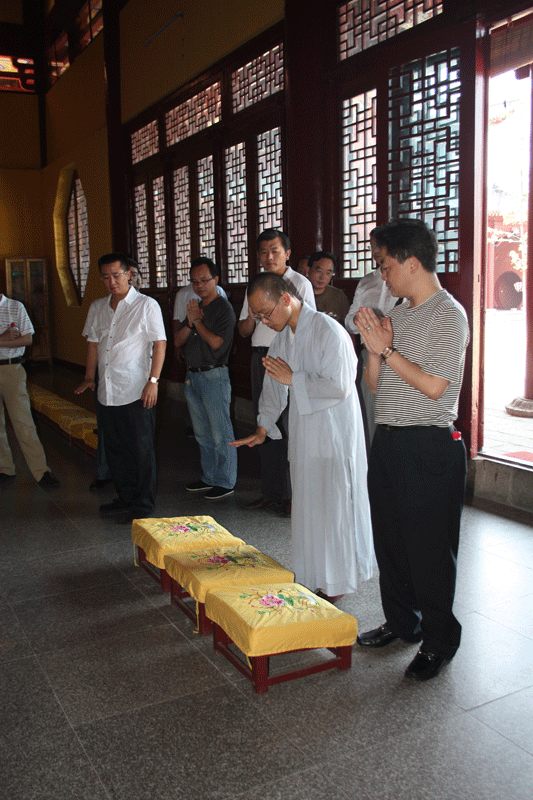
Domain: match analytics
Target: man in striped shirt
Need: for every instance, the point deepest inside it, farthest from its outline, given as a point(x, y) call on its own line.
point(417, 466)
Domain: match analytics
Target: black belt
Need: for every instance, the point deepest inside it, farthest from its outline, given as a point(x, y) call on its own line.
point(263, 350)
point(5, 361)
point(204, 369)
point(450, 428)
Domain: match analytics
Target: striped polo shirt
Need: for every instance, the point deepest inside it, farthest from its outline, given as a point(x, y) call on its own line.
point(433, 335)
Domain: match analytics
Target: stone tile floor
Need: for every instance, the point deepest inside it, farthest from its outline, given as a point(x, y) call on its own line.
point(108, 693)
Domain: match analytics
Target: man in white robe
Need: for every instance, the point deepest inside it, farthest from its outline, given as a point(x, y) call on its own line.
point(314, 356)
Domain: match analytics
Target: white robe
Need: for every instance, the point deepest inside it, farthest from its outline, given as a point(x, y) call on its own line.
point(331, 529)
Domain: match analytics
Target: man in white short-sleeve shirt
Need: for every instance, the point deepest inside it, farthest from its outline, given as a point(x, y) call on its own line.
point(127, 341)
point(274, 250)
point(17, 333)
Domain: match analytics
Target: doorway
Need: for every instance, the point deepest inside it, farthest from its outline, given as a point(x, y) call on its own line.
point(507, 436)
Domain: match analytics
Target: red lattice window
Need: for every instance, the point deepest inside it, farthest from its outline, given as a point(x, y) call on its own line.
point(236, 216)
point(144, 142)
point(89, 23)
point(17, 74)
point(182, 232)
point(160, 238)
point(258, 79)
point(78, 236)
point(424, 98)
point(58, 57)
point(358, 182)
point(195, 114)
point(364, 23)
point(141, 227)
point(269, 180)
point(206, 208)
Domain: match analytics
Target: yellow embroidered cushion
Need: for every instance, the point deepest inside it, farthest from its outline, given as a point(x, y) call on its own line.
point(159, 537)
point(275, 618)
point(199, 570)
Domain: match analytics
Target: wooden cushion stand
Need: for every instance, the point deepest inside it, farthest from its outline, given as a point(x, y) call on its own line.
point(156, 538)
point(196, 572)
point(263, 621)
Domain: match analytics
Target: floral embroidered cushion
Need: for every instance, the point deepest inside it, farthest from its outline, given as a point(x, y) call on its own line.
point(276, 618)
point(159, 537)
point(199, 570)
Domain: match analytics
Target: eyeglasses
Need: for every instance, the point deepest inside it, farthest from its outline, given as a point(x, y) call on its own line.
point(266, 317)
point(114, 275)
point(202, 281)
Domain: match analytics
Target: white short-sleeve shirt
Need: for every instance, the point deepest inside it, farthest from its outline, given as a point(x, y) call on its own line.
point(125, 341)
point(13, 311)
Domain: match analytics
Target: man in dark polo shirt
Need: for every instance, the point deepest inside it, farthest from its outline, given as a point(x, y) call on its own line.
point(206, 336)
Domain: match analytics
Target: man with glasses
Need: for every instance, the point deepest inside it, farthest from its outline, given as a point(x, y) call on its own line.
point(312, 359)
point(126, 340)
point(330, 301)
point(206, 336)
point(273, 250)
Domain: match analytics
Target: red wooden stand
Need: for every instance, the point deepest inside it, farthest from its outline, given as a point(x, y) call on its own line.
point(178, 597)
point(160, 575)
point(258, 674)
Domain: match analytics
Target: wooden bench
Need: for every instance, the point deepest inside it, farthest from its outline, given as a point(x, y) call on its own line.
point(157, 538)
point(195, 573)
point(263, 621)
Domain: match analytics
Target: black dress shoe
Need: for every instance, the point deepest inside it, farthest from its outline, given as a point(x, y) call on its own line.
point(5, 480)
point(425, 666)
point(379, 637)
point(117, 506)
point(258, 504)
point(98, 484)
point(48, 481)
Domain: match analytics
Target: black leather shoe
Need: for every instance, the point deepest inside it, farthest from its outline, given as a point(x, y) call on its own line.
point(379, 637)
point(425, 666)
point(5, 480)
point(98, 484)
point(117, 506)
point(48, 481)
point(258, 504)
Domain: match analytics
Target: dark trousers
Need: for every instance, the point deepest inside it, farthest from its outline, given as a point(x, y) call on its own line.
point(416, 483)
point(129, 447)
point(102, 469)
point(273, 453)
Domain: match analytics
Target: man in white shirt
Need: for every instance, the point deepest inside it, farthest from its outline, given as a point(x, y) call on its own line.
point(371, 292)
point(126, 340)
point(274, 250)
point(17, 335)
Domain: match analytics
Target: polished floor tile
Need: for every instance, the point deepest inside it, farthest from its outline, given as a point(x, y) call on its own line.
point(108, 693)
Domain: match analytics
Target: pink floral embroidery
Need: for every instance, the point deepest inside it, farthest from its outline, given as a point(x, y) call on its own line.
point(218, 560)
point(270, 600)
point(180, 528)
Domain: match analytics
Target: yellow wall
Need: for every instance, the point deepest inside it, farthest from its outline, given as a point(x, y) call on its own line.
point(90, 161)
point(19, 131)
point(11, 11)
point(21, 232)
point(75, 104)
point(208, 31)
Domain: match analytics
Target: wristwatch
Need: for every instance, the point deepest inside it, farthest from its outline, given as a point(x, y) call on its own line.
point(151, 379)
point(385, 354)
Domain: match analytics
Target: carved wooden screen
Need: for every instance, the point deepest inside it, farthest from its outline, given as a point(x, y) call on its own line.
point(141, 228)
point(79, 258)
point(160, 238)
point(144, 142)
point(208, 175)
point(358, 182)
point(236, 213)
point(364, 23)
point(182, 236)
point(424, 100)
